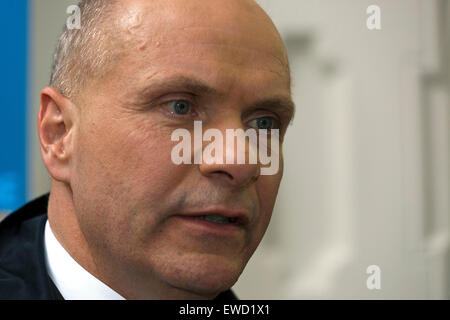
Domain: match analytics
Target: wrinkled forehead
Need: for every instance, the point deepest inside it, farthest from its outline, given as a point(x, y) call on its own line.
point(231, 23)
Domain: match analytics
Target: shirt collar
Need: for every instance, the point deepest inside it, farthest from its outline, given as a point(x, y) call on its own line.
point(72, 280)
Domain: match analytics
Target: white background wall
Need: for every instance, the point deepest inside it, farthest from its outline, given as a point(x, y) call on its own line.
point(367, 159)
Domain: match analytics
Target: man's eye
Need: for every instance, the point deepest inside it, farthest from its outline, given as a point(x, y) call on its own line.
point(263, 123)
point(178, 107)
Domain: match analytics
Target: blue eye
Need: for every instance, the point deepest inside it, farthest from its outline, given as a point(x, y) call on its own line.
point(179, 107)
point(262, 123)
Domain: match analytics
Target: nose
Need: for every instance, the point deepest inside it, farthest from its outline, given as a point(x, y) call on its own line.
point(227, 159)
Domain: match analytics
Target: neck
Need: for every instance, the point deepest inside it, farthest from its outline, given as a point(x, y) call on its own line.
point(66, 228)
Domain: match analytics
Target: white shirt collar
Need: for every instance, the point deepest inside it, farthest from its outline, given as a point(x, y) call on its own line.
point(72, 280)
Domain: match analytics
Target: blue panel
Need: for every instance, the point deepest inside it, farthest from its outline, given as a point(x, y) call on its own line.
point(13, 102)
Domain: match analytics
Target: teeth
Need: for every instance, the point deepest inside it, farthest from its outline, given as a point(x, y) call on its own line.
point(216, 218)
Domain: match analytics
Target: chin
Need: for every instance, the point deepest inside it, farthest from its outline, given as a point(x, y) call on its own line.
point(206, 277)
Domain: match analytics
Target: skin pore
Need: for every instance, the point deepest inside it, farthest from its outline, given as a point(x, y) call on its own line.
point(118, 204)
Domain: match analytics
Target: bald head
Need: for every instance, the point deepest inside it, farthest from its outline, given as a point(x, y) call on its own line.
point(111, 29)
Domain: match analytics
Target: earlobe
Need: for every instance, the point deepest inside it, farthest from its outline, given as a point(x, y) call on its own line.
point(55, 125)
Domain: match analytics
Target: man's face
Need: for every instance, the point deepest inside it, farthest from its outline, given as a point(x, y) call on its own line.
point(211, 61)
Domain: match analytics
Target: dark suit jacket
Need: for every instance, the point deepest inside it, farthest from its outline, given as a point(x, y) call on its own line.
point(23, 273)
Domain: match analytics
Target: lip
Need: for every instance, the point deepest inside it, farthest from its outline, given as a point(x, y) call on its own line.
point(241, 217)
point(193, 219)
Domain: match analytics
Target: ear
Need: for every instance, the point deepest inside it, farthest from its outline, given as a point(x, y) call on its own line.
point(55, 129)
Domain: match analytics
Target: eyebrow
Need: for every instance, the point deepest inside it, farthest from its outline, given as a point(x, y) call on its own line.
point(178, 83)
point(282, 104)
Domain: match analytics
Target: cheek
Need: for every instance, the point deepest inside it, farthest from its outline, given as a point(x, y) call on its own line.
point(132, 158)
point(268, 185)
point(122, 171)
point(267, 189)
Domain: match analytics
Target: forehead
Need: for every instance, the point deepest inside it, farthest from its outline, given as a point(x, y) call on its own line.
point(224, 43)
point(233, 14)
point(171, 23)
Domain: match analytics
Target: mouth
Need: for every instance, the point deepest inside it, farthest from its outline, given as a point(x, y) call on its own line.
point(217, 220)
point(220, 216)
point(230, 218)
